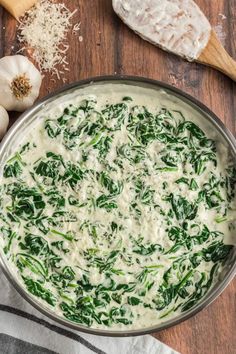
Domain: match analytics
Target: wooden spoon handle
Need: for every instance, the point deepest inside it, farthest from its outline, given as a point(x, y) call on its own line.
point(216, 56)
point(17, 8)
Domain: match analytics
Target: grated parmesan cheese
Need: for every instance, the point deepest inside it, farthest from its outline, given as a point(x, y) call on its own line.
point(43, 31)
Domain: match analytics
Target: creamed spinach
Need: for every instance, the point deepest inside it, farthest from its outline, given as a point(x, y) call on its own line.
point(115, 214)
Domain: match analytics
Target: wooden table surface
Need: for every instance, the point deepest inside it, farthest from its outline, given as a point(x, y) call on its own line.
point(109, 47)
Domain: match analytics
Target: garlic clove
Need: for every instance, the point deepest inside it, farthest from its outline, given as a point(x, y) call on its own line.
point(24, 105)
point(4, 122)
point(9, 66)
point(35, 78)
point(6, 96)
point(20, 83)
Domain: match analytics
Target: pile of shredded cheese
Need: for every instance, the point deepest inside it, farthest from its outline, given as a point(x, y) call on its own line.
point(43, 31)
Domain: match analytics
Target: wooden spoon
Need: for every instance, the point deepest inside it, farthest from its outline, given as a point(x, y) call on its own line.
point(177, 26)
point(215, 55)
point(17, 7)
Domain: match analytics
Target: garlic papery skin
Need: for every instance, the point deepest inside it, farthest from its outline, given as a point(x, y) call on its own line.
point(20, 83)
point(4, 122)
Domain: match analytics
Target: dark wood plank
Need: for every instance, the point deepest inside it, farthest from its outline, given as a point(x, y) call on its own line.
point(109, 47)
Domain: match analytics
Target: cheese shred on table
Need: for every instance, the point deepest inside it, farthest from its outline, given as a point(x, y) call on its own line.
point(43, 32)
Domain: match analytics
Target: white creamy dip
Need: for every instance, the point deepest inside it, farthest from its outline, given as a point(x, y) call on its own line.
point(117, 208)
point(178, 26)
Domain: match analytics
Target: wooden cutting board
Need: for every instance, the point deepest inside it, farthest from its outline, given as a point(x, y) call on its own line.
point(109, 47)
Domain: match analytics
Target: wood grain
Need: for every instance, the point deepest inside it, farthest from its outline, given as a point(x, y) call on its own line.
point(109, 47)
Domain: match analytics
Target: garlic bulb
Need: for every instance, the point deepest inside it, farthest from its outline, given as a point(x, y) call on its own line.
point(20, 83)
point(4, 121)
